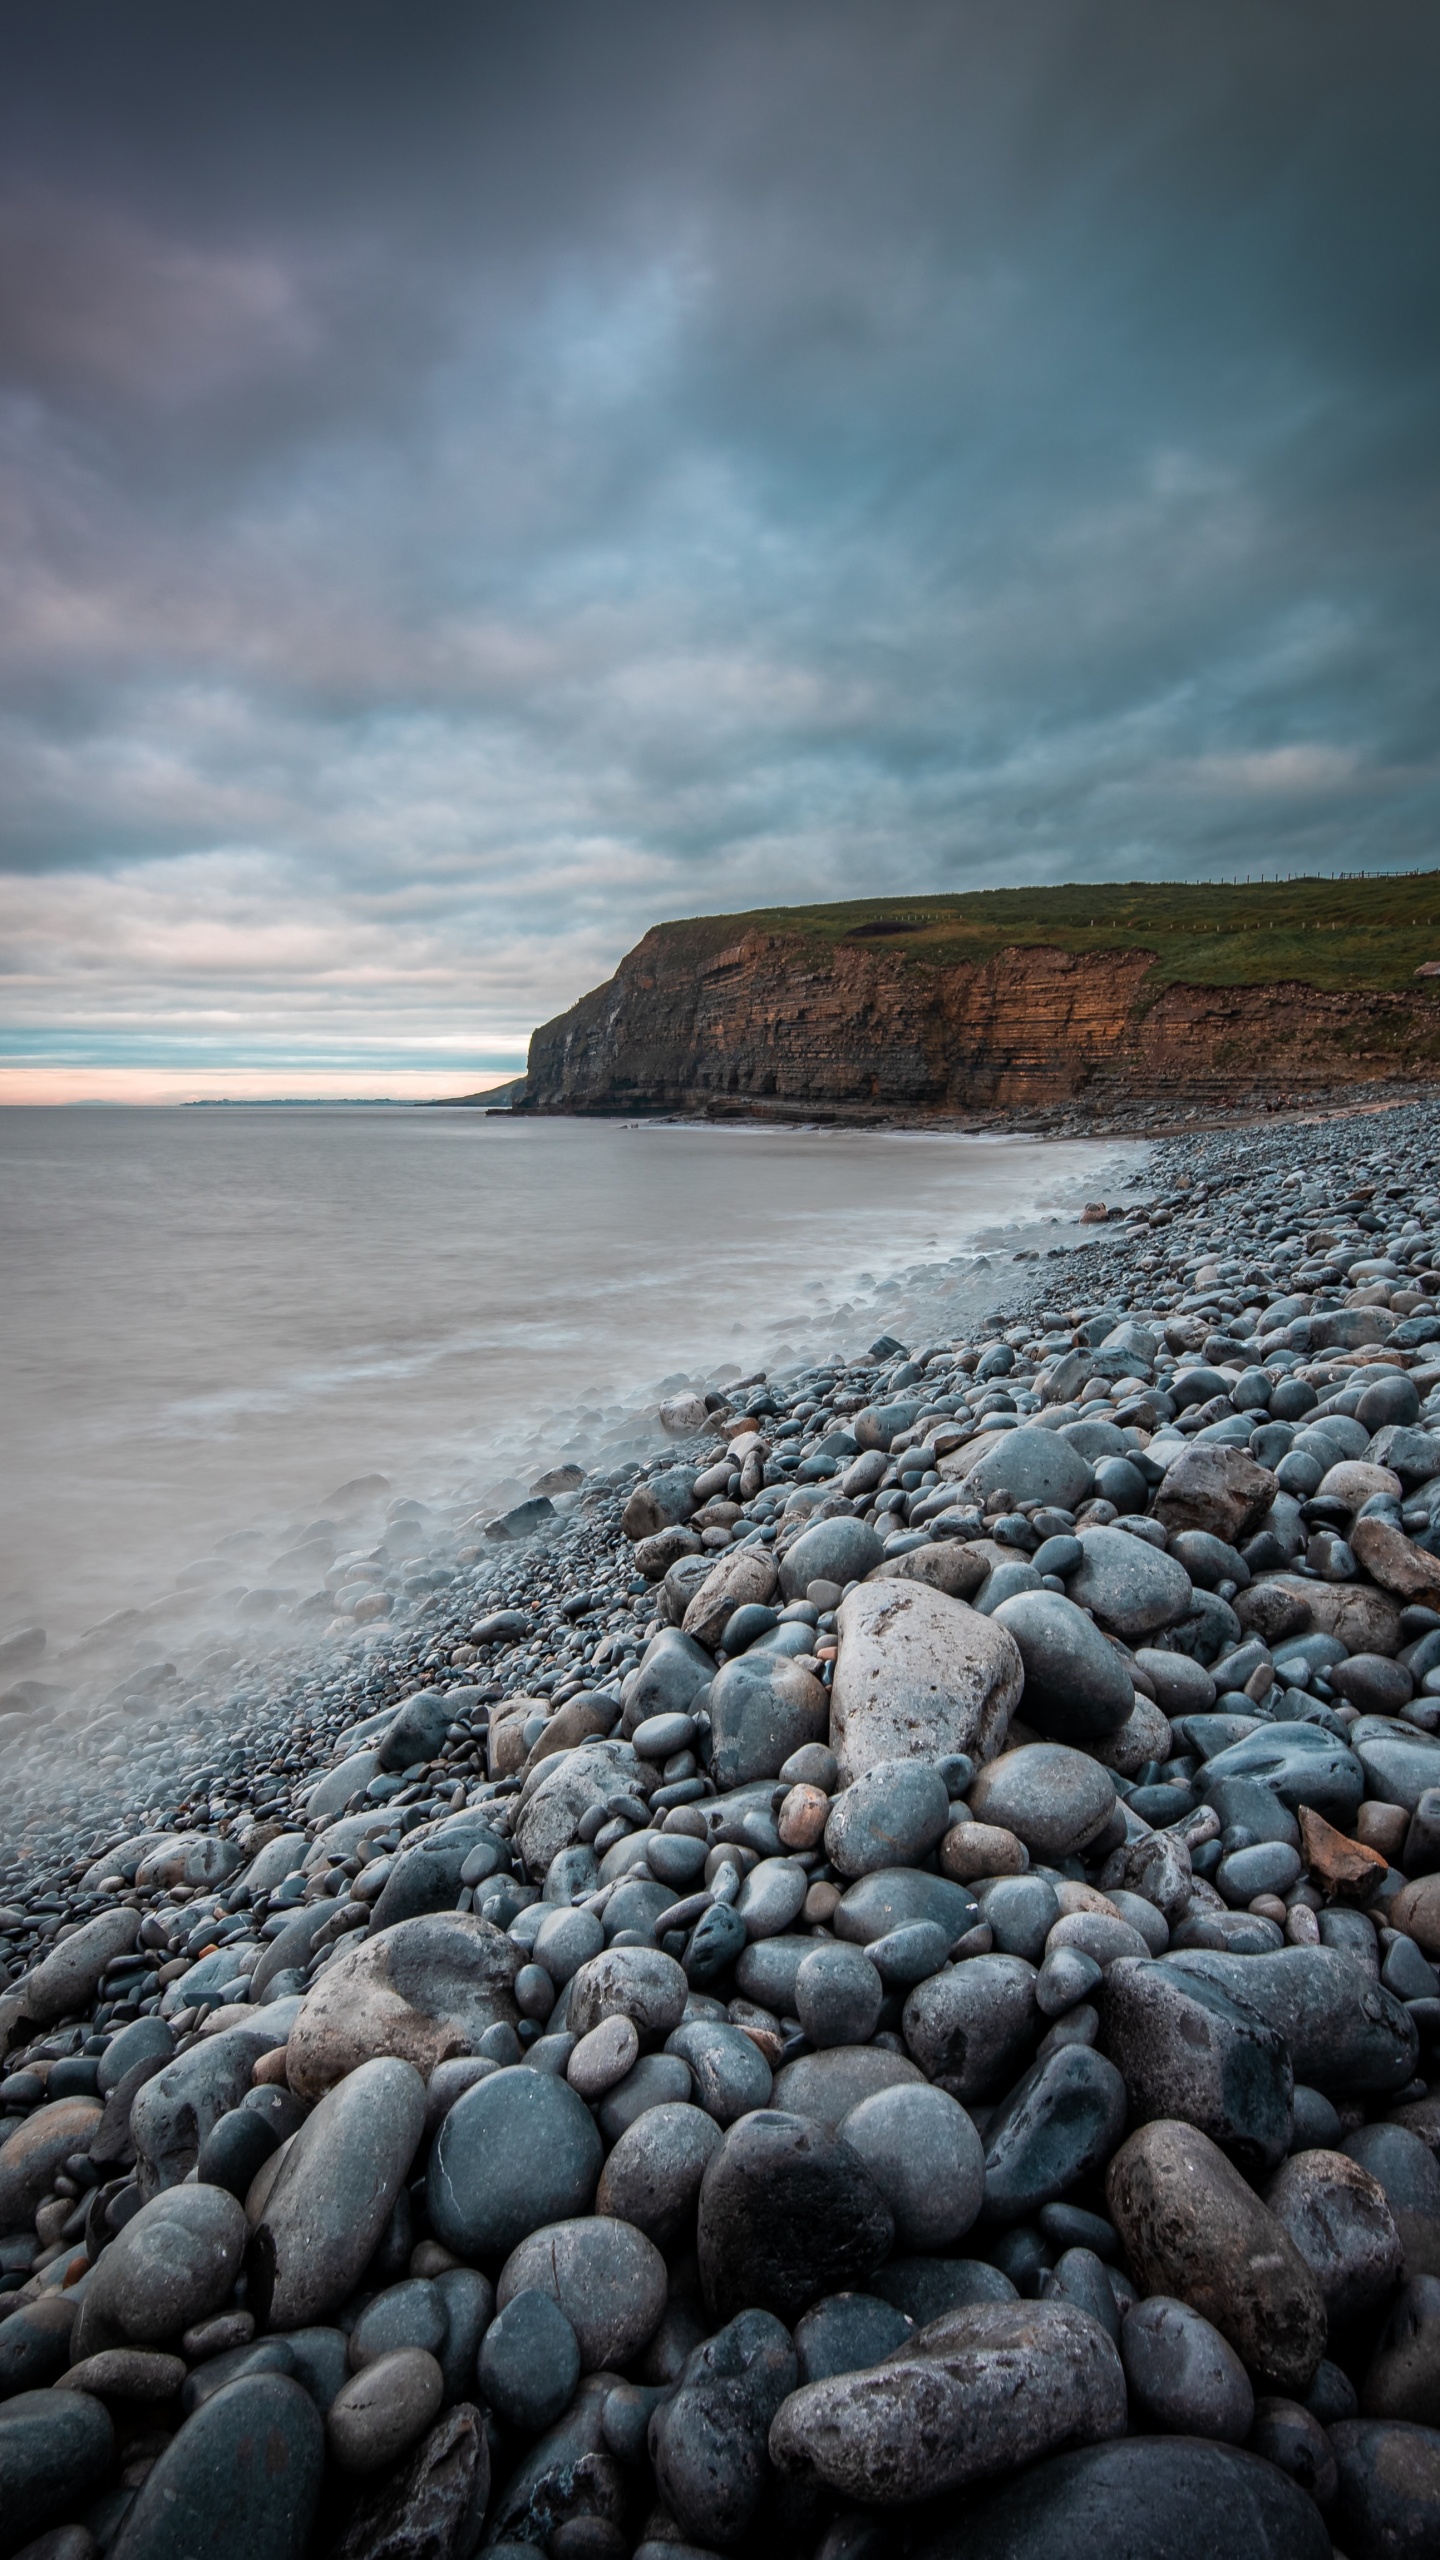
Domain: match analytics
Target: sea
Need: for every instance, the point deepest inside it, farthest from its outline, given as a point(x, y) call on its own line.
point(211, 1319)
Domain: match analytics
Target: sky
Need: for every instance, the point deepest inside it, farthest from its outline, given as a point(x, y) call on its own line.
point(476, 481)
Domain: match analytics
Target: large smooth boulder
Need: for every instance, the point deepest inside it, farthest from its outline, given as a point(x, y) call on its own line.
point(1196, 2051)
point(240, 2481)
point(1053, 1798)
point(977, 2392)
point(972, 2027)
point(919, 1676)
point(335, 2191)
point(55, 2450)
point(639, 1983)
point(652, 2176)
point(1034, 1466)
point(1147, 2498)
point(1191, 2227)
point(560, 1791)
point(1132, 1587)
point(708, 2441)
point(603, 2273)
point(1077, 1689)
point(1364, 1620)
point(924, 2154)
point(840, 1550)
point(827, 2085)
point(763, 1707)
point(173, 2263)
point(1224, 1492)
point(422, 1991)
point(515, 2152)
point(67, 1980)
point(1388, 2506)
point(788, 2212)
point(181, 2103)
point(1337, 2216)
point(890, 1817)
point(672, 1669)
point(416, 1731)
point(41, 2144)
point(1341, 2029)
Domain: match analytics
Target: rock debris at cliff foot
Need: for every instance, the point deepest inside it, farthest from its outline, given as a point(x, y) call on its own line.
point(871, 1988)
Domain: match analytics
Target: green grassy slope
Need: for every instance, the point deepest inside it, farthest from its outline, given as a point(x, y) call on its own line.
point(1358, 933)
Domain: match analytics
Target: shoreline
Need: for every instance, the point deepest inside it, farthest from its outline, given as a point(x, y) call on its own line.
point(1070, 1120)
point(1153, 1458)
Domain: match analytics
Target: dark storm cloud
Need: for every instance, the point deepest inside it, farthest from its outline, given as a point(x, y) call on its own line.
point(475, 480)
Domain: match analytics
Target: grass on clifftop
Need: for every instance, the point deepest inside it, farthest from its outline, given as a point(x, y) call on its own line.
point(1372, 932)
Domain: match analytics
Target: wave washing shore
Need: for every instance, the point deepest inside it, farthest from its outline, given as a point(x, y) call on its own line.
point(880, 2000)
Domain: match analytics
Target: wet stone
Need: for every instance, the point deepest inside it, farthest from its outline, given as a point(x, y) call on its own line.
point(1182, 2374)
point(55, 2451)
point(241, 2479)
point(709, 2442)
point(925, 2156)
point(1076, 1686)
point(1063, 2119)
point(604, 2274)
point(335, 2191)
point(1147, 2498)
point(838, 1996)
point(1053, 1798)
point(730, 2074)
point(517, 2151)
point(384, 2409)
point(652, 2176)
point(889, 1817)
point(530, 2361)
point(788, 2212)
point(847, 2332)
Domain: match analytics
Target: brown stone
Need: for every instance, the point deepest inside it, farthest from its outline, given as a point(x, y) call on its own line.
point(507, 1753)
point(1223, 1491)
point(1395, 1562)
point(950, 1565)
point(655, 1555)
point(803, 1817)
point(1342, 1866)
point(1191, 2227)
point(1271, 1610)
point(1382, 1827)
point(38, 2147)
point(422, 1991)
point(1416, 1910)
point(577, 1721)
point(749, 1574)
point(975, 1849)
point(1364, 1619)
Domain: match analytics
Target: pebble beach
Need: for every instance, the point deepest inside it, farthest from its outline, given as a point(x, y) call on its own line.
point(860, 1978)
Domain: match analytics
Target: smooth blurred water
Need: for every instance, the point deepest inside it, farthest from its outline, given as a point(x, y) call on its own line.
point(213, 1317)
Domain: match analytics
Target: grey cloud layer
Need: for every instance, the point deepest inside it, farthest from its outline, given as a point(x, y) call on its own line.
point(474, 481)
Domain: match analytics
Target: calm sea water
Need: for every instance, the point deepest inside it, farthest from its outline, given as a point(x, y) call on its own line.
point(211, 1318)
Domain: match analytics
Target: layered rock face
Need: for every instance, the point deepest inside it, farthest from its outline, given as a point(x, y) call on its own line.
point(692, 1019)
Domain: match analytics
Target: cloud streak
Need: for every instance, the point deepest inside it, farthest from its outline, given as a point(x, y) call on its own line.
point(471, 486)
